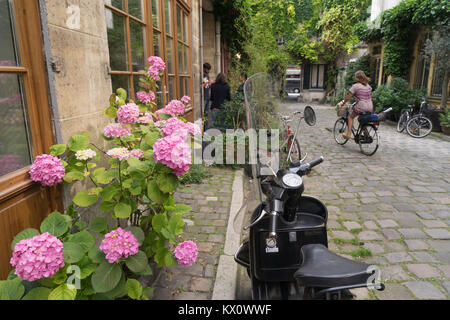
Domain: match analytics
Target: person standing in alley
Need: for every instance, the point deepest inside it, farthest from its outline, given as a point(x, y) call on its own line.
point(220, 91)
point(206, 83)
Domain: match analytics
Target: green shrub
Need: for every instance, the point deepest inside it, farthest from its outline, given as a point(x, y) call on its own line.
point(398, 96)
point(196, 174)
point(445, 118)
point(362, 63)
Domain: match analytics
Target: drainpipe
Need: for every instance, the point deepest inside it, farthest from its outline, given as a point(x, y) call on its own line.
point(218, 51)
point(200, 14)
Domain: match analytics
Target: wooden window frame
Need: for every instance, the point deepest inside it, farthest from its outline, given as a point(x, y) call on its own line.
point(150, 29)
point(36, 92)
point(145, 23)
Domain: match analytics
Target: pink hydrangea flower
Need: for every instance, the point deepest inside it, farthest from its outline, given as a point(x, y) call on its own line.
point(146, 97)
point(173, 108)
point(47, 170)
point(145, 119)
point(138, 153)
point(186, 253)
point(38, 257)
point(174, 125)
point(119, 153)
point(174, 152)
point(128, 114)
point(185, 99)
point(119, 243)
point(116, 130)
point(157, 65)
point(178, 127)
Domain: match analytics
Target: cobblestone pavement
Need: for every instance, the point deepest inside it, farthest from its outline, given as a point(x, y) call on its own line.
point(391, 209)
point(205, 225)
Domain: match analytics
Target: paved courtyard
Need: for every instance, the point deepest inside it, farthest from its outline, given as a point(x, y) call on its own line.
point(206, 225)
point(391, 209)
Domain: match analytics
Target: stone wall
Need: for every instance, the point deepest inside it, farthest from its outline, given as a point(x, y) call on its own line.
point(81, 61)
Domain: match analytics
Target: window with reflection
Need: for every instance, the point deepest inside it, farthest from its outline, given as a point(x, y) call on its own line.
point(140, 28)
point(15, 133)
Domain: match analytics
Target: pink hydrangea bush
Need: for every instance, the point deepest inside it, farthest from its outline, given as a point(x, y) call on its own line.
point(47, 170)
point(173, 108)
point(185, 99)
point(116, 130)
point(119, 153)
point(145, 97)
point(128, 114)
point(157, 65)
point(119, 244)
point(38, 257)
point(138, 153)
point(186, 253)
point(174, 152)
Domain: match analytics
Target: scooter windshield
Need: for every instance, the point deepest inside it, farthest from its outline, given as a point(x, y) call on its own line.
point(262, 100)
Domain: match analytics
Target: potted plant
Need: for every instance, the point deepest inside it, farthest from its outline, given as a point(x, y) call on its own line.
point(445, 121)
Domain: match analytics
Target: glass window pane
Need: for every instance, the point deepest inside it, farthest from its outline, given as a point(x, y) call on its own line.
point(169, 51)
point(314, 69)
point(117, 41)
point(159, 94)
point(186, 86)
point(179, 33)
point(121, 81)
point(185, 28)
point(156, 44)
point(180, 58)
point(181, 84)
point(186, 55)
point(115, 3)
point(137, 37)
point(171, 88)
point(15, 137)
point(168, 16)
point(8, 50)
point(321, 75)
point(156, 13)
point(135, 8)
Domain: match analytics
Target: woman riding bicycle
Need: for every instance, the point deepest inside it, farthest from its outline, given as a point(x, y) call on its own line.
point(362, 92)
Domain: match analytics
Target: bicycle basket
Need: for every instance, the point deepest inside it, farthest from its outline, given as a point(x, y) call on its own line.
point(342, 110)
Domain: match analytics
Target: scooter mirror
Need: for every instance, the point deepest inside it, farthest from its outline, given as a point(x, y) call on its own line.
point(310, 116)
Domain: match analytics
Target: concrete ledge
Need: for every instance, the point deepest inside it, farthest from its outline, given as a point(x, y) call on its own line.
point(225, 283)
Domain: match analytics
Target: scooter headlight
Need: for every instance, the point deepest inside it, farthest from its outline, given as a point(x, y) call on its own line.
point(292, 180)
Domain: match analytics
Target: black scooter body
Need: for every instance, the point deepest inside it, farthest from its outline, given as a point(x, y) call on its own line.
point(308, 227)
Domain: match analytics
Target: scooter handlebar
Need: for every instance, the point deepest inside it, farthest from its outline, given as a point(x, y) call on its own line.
point(306, 168)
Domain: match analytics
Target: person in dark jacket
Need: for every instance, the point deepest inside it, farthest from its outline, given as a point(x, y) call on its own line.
point(220, 91)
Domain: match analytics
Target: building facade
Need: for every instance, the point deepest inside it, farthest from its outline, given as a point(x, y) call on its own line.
point(59, 63)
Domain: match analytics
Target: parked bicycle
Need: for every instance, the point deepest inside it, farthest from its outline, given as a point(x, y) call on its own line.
point(289, 142)
point(417, 125)
point(365, 135)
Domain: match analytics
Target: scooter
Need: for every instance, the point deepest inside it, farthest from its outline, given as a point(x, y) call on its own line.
point(286, 254)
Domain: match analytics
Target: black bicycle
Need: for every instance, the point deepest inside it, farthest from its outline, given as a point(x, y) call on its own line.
point(417, 125)
point(365, 135)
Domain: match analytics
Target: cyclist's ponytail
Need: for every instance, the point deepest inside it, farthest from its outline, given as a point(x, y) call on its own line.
point(361, 77)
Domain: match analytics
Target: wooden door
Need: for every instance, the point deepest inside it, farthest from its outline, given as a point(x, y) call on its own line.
point(25, 123)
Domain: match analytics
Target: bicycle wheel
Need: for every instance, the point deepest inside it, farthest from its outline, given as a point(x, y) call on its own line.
point(284, 150)
point(368, 140)
point(401, 124)
point(419, 126)
point(340, 126)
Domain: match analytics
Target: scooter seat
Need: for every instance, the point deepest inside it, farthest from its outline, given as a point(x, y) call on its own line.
point(325, 269)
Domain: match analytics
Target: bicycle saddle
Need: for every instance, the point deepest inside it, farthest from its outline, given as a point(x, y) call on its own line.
point(323, 268)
